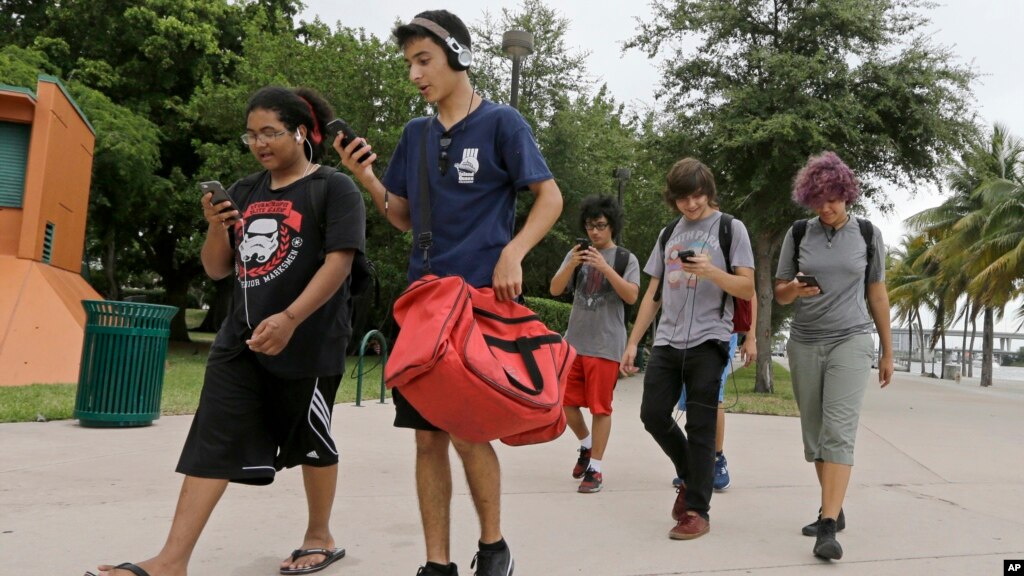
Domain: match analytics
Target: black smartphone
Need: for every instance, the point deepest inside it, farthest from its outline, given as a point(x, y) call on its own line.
point(685, 255)
point(809, 280)
point(220, 195)
point(583, 243)
point(339, 126)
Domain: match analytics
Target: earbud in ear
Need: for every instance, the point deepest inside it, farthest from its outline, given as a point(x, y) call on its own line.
point(298, 136)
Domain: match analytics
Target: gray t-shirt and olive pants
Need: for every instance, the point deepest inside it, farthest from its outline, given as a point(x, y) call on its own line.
point(830, 346)
point(691, 348)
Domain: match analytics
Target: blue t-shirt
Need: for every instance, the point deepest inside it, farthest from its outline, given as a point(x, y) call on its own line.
point(491, 157)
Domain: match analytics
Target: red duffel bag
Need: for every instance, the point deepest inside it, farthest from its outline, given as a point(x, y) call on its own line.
point(478, 368)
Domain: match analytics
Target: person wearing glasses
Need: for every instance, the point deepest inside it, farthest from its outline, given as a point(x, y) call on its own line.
point(597, 329)
point(274, 367)
point(479, 155)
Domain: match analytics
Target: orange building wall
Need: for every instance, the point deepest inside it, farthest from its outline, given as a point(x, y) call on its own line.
point(42, 322)
point(57, 179)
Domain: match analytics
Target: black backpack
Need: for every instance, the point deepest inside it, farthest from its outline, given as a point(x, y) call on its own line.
point(741, 307)
point(363, 272)
point(621, 263)
point(867, 230)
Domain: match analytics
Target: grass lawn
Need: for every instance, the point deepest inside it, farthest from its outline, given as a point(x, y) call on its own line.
point(183, 378)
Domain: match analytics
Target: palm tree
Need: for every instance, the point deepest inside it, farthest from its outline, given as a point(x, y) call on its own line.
point(979, 230)
point(909, 290)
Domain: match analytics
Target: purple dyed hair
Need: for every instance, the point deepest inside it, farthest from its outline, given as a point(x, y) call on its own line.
point(825, 178)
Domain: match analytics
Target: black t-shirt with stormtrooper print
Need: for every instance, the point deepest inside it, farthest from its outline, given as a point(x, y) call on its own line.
point(278, 249)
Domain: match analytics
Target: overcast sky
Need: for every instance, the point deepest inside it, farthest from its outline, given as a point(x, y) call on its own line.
point(982, 33)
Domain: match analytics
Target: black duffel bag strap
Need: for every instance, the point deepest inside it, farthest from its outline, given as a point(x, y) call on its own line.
point(425, 239)
point(525, 347)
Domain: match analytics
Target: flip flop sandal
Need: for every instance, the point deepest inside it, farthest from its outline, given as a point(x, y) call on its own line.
point(331, 557)
point(129, 567)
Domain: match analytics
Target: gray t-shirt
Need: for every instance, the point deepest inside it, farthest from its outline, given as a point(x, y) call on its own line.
point(840, 310)
point(689, 307)
point(596, 324)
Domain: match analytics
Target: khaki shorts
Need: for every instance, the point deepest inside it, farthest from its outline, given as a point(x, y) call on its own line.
point(829, 381)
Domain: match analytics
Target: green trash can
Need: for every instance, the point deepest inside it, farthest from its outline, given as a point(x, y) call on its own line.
point(121, 375)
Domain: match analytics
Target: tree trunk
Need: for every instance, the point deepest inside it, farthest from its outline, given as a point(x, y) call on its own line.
point(986, 347)
point(964, 357)
point(110, 270)
point(920, 338)
point(220, 306)
point(764, 284)
point(974, 332)
point(176, 294)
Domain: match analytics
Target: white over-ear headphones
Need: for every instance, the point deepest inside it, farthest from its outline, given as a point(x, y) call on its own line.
point(460, 57)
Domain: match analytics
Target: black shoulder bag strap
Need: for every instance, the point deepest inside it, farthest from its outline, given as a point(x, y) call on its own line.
point(663, 242)
point(799, 229)
point(725, 243)
point(425, 239)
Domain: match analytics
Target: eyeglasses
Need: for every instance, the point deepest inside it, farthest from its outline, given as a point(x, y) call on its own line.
point(602, 226)
point(261, 137)
point(442, 162)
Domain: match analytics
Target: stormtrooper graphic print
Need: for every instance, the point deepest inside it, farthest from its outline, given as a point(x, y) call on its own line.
point(269, 240)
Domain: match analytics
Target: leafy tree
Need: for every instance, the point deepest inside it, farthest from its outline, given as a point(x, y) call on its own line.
point(972, 228)
point(770, 83)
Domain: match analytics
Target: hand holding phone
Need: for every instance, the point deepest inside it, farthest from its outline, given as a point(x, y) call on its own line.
point(583, 244)
point(685, 255)
point(339, 126)
point(809, 281)
point(220, 195)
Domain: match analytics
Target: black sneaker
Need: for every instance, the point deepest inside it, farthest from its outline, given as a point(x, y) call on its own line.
point(812, 528)
point(429, 570)
point(826, 546)
point(582, 463)
point(493, 563)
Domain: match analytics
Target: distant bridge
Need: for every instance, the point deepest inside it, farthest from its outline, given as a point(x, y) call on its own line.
point(1003, 342)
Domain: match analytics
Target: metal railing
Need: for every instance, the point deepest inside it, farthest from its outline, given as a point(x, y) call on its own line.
point(379, 338)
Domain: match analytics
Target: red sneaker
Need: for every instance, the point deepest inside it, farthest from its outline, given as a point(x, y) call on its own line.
point(679, 507)
point(690, 527)
point(592, 481)
point(582, 463)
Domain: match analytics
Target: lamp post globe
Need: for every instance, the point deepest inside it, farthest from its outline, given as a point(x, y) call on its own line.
point(518, 44)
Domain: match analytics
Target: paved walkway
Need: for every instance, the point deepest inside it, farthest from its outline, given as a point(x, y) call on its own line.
point(938, 489)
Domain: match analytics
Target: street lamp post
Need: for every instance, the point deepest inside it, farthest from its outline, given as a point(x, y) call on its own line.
point(621, 176)
point(518, 44)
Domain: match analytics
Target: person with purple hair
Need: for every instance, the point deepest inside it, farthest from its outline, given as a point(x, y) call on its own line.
point(830, 346)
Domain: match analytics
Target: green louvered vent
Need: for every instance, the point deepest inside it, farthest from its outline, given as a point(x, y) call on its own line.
point(13, 157)
point(48, 242)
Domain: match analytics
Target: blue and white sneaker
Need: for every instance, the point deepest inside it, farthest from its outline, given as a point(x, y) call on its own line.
point(722, 480)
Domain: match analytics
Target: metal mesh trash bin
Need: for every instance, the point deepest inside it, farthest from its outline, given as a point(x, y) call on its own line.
point(121, 375)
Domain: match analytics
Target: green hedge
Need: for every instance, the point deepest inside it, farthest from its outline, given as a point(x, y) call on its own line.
point(553, 313)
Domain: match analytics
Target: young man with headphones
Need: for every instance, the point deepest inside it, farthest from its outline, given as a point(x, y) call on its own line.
point(479, 155)
point(691, 345)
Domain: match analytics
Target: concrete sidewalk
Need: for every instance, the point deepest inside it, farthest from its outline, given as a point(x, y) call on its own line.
point(938, 489)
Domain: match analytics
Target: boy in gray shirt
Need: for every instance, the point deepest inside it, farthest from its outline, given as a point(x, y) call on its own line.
point(604, 278)
point(692, 340)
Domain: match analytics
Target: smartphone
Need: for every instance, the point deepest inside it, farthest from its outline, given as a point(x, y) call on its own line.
point(685, 255)
point(336, 126)
point(583, 243)
point(809, 280)
point(219, 195)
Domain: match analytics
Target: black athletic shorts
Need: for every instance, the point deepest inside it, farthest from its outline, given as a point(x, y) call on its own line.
point(406, 415)
point(250, 423)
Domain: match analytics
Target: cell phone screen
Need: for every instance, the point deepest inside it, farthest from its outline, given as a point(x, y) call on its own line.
point(337, 126)
point(809, 280)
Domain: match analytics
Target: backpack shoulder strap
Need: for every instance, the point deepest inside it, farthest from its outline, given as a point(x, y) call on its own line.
point(318, 193)
point(799, 229)
point(725, 243)
point(243, 188)
point(663, 243)
point(867, 230)
point(621, 260)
